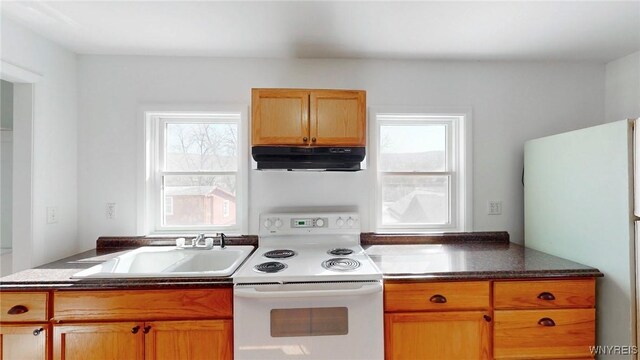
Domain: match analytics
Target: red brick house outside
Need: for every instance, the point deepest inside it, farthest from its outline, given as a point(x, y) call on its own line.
point(199, 205)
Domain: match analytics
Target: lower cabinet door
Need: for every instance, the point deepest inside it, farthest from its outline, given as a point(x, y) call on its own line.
point(23, 342)
point(555, 334)
point(123, 340)
point(438, 335)
point(201, 339)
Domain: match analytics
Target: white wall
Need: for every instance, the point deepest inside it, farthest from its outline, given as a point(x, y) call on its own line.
point(54, 137)
point(6, 164)
point(622, 88)
point(511, 102)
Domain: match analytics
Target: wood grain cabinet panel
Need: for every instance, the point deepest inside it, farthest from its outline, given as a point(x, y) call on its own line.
point(24, 342)
point(23, 306)
point(436, 296)
point(133, 305)
point(437, 335)
point(123, 340)
point(202, 339)
point(280, 117)
point(338, 117)
point(544, 294)
point(557, 333)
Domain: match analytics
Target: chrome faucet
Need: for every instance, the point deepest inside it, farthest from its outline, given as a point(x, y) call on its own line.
point(196, 240)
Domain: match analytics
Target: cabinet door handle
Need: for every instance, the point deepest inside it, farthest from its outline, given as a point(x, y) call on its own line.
point(313, 139)
point(438, 299)
point(146, 329)
point(135, 329)
point(546, 296)
point(305, 139)
point(486, 318)
point(546, 322)
point(37, 332)
point(17, 310)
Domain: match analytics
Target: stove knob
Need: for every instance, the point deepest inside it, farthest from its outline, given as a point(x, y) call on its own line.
point(278, 223)
point(319, 223)
point(350, 222)
point(340, 222)
point(267, 223)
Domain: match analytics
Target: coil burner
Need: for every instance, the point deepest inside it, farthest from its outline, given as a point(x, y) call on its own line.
point(341, 264)
point(270, 267)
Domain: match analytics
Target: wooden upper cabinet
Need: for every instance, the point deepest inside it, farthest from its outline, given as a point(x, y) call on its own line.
point(280, 117)
point(338, 118)
point(302, 117)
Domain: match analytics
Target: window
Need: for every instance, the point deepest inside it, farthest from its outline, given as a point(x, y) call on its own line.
point(421, 182)
point(195, 162)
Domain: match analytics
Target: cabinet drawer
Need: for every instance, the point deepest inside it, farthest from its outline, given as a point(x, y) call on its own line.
point(544, 294)
point(436, 296)
point(565, 333)
point(23, 306)
point(142, 304)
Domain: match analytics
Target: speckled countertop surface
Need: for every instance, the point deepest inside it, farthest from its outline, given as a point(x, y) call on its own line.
point(461, 259)
point(471, 260)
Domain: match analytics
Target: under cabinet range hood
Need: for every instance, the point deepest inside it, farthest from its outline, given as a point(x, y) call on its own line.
point(308, 158)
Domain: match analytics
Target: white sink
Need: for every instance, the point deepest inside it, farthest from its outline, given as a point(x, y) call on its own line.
point(170, 261)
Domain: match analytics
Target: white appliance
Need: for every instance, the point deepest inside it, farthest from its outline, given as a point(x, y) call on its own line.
point(579, 204)
point(309, 291)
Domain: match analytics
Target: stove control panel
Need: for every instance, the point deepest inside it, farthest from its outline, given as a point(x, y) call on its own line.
point(309, 222)
point(316, 223)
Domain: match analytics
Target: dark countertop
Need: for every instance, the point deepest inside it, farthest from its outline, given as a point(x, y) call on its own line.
point(471, 260)
point(452, 259)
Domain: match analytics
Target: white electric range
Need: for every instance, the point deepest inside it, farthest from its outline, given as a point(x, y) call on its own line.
point(307, 290)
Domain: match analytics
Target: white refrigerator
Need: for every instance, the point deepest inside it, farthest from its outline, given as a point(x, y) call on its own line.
point(579, 205)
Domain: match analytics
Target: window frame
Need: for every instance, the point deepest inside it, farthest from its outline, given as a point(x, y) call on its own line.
point(458, 165)
point(150, 186)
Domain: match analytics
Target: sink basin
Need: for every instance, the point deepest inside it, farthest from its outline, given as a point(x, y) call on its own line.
point(170, 261)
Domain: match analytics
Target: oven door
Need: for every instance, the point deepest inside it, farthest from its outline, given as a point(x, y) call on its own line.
point(342, 320)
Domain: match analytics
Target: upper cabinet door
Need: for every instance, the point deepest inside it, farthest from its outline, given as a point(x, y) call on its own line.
point(280, 117)
point(338, 118)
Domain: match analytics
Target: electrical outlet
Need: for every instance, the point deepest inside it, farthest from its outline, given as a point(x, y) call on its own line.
point(52, 215)
point(110, 211)
point(494, 207)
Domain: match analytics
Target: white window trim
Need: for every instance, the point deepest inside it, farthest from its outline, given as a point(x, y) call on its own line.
point(147, 218)
point(462, 204)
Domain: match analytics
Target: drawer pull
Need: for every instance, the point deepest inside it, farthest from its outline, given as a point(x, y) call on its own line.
point(37, 332)
point(438, 299)
point(546, 296)
point(486, 318)
point(546, 322)
point(305, 139)
point(135, 329)
point(146, 329)
point(17, 310)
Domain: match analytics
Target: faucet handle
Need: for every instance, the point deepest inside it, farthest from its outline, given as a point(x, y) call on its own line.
point(208, 243)
point(180, 242)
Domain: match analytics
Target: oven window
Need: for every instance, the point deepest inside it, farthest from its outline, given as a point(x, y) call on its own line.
point(309, 322)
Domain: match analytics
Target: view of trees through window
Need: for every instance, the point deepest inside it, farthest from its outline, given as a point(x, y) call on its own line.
point(200, 172)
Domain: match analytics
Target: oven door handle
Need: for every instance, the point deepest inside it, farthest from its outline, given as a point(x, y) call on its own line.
point(251, 292)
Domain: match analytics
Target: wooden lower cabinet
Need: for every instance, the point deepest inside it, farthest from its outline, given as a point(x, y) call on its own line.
point(438, 335)
point(24, 342)
point(556, 334)
point(122, 340)
point(202, 339)
point(193, 339)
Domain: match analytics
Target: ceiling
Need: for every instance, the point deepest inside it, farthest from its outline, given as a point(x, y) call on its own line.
point(517, 30)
